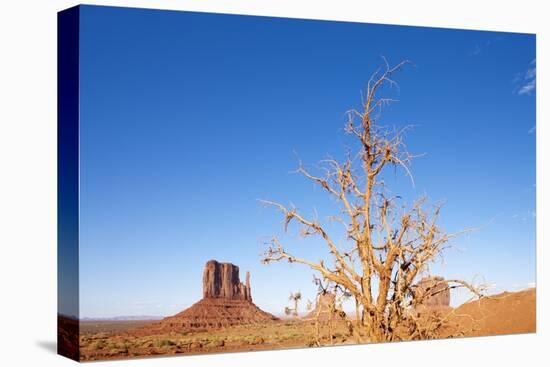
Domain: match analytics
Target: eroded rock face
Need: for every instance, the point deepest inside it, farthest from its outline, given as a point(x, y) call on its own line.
point(221, 280)
point(324, 309)
point(435, 292)
point(226, 302)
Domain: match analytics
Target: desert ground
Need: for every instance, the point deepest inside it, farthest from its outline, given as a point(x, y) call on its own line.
point(111, 326)
point(505, 313)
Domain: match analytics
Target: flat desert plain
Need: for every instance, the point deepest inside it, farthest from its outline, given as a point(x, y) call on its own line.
point(505, 313)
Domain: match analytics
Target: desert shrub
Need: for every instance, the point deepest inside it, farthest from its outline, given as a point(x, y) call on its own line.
point(165, 343)
point(196, 345)
point(312, 343)
point(97, 345)
point(217, 343)
point(258, 340)
point(148, 344)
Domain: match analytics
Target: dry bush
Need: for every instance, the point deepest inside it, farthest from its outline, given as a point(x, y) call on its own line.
point(388, 244)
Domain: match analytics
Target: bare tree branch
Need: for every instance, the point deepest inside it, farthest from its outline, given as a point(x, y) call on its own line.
point(389, 245)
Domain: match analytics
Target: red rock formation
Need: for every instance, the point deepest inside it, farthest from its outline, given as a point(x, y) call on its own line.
point(212, 313)
point(221, 280)
point(435, 291)
point(226, 302)
point(324, 309)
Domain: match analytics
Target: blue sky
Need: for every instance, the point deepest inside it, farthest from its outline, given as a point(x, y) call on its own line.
point(187, 119)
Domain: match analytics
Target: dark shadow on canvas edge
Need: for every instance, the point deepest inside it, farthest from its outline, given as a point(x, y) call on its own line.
point(48, 345)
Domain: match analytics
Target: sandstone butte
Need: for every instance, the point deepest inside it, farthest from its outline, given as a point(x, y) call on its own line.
point(435, 291)
point(226, 302)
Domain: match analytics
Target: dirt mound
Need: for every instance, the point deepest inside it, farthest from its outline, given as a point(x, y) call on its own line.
point(211, 313)
point(504, 313)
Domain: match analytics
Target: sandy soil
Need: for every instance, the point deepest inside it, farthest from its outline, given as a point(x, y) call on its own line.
point(92, 327)
point(506, 313)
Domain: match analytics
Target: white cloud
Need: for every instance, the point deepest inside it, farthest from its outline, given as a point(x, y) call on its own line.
point(529, 79)
point(527, 88)
point(532, 130)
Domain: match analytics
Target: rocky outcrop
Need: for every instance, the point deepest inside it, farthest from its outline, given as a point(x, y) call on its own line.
point(213, 313)
point(226, 302)
point(325, 309)
point(434, 291)
point(221, 280)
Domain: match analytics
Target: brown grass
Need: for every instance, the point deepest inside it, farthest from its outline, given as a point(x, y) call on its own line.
point(506, 313)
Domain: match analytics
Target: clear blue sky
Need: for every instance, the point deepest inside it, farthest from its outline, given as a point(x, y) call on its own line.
point(187, 119)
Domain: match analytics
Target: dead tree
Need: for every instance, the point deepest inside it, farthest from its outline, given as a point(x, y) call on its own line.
point(295, 298)
point(388, 244)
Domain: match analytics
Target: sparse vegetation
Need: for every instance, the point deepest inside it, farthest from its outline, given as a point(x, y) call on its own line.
point(388, 246)
point(517, 308)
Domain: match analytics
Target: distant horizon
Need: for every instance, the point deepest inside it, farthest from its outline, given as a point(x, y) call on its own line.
point(280, 314)
point(187, 119)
